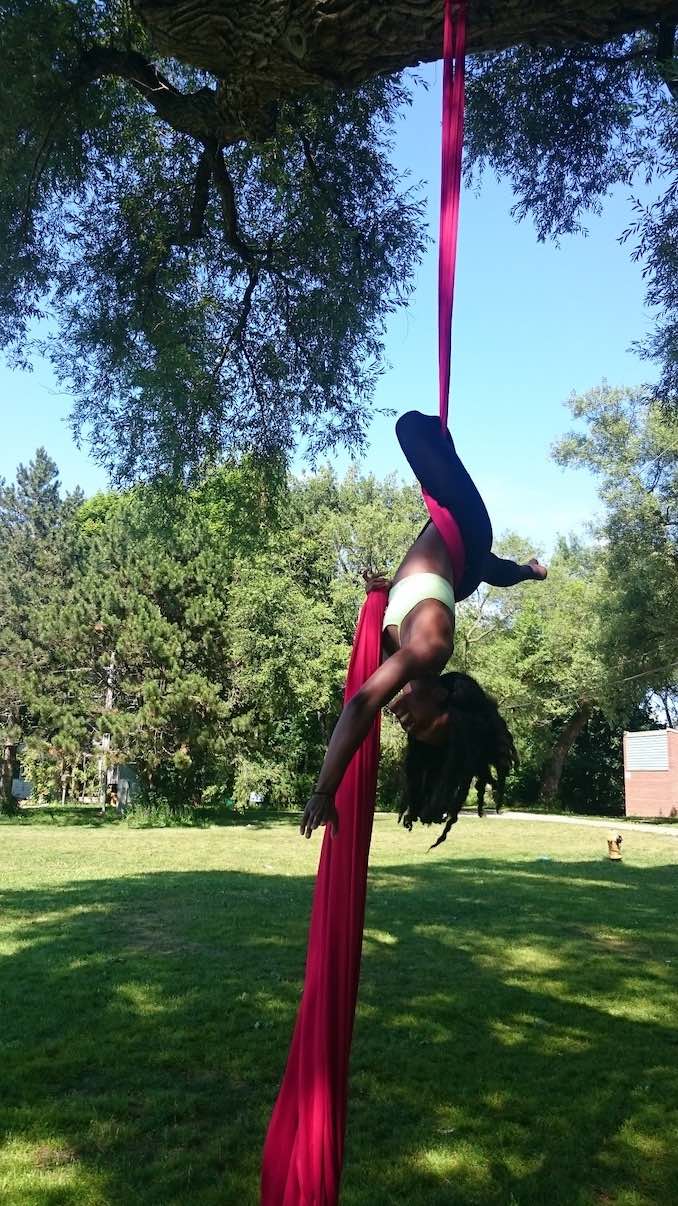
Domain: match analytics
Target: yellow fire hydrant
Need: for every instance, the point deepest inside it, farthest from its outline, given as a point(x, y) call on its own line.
point(614, 841)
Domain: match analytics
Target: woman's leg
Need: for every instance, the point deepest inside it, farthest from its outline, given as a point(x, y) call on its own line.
point(433, 459)
point(497, 571)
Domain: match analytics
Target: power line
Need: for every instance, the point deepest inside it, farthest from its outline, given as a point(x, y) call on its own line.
point(630, 657)
point(650, 670)
point(629, 678)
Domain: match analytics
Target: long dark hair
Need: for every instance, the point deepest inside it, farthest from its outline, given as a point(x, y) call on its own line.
point(438, 778)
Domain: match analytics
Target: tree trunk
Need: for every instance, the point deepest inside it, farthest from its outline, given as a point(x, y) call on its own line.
point(669, 714)
point(553, 769)
point(10, 770)
point(267, 50)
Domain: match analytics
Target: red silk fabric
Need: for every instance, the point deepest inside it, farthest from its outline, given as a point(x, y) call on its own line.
point(304, 1148)
point(454, 45)
point(450, 531)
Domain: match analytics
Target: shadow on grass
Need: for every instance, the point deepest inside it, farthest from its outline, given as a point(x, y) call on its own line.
point(90, 815)
point(516, 1040)
point(66, 815)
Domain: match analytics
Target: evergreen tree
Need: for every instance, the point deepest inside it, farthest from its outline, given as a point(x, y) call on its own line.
point(536, 647)
point(151, 599)
point(226, 615)
point(631, 444)
point(36, 550)
point(292, 614)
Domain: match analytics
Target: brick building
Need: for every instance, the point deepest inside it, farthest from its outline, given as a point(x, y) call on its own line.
point(651, 773)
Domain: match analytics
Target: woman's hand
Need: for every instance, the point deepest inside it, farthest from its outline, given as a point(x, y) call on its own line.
point(320, 810)
point(376, 582)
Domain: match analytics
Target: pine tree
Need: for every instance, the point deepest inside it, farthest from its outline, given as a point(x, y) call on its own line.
point(150, 599)
point(36, 551)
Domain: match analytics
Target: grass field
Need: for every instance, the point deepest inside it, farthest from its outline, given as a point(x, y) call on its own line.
point(516, 1041)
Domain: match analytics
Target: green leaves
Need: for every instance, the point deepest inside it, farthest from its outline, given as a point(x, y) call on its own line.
point(564, 126)
point(37, 553)
point(201, 294)
point(631, 443)
point(228, 610)
point(199, 300)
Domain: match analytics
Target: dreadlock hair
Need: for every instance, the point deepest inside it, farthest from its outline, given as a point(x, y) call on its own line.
point(438, 778)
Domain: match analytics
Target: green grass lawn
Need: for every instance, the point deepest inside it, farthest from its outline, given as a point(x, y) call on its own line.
point(517, 1033)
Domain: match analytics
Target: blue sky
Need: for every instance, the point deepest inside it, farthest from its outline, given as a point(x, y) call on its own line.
point(533, 322)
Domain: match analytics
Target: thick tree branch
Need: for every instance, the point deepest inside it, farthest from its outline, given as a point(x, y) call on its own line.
point(267, 51)
point(238, 332)
point(201, 193)
point(348, 41)
point(667, 57)
point(193, 113)
point(229, 209)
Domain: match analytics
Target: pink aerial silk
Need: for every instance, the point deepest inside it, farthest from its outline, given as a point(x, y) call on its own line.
point(304, 1148)
point(454, 43)
point(451, 533)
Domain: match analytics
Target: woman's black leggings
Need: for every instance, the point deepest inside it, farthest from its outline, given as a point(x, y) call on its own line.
point(433, 459)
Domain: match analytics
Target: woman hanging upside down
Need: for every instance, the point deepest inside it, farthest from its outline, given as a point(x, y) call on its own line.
point(454, 729)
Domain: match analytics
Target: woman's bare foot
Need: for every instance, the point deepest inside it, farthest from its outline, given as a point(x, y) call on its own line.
point(539, 570)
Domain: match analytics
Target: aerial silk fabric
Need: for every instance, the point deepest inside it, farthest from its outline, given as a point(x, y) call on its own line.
point(451, 533)
point(304, 1148)
point(454, 44)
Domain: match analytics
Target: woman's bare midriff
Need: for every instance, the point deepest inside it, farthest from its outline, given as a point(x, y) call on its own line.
point(428, 555)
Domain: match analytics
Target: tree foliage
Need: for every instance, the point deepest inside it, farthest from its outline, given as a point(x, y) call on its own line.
point(564, 126)
point(213, 257)
point(537, 648)
point(631, 444)
point(199, 298)
point(152, 597)
point(37, 555)
point(292, 615)
point(592, 781)
point(227, 613)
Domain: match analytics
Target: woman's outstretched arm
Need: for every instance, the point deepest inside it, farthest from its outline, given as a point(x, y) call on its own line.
point(414, 660)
